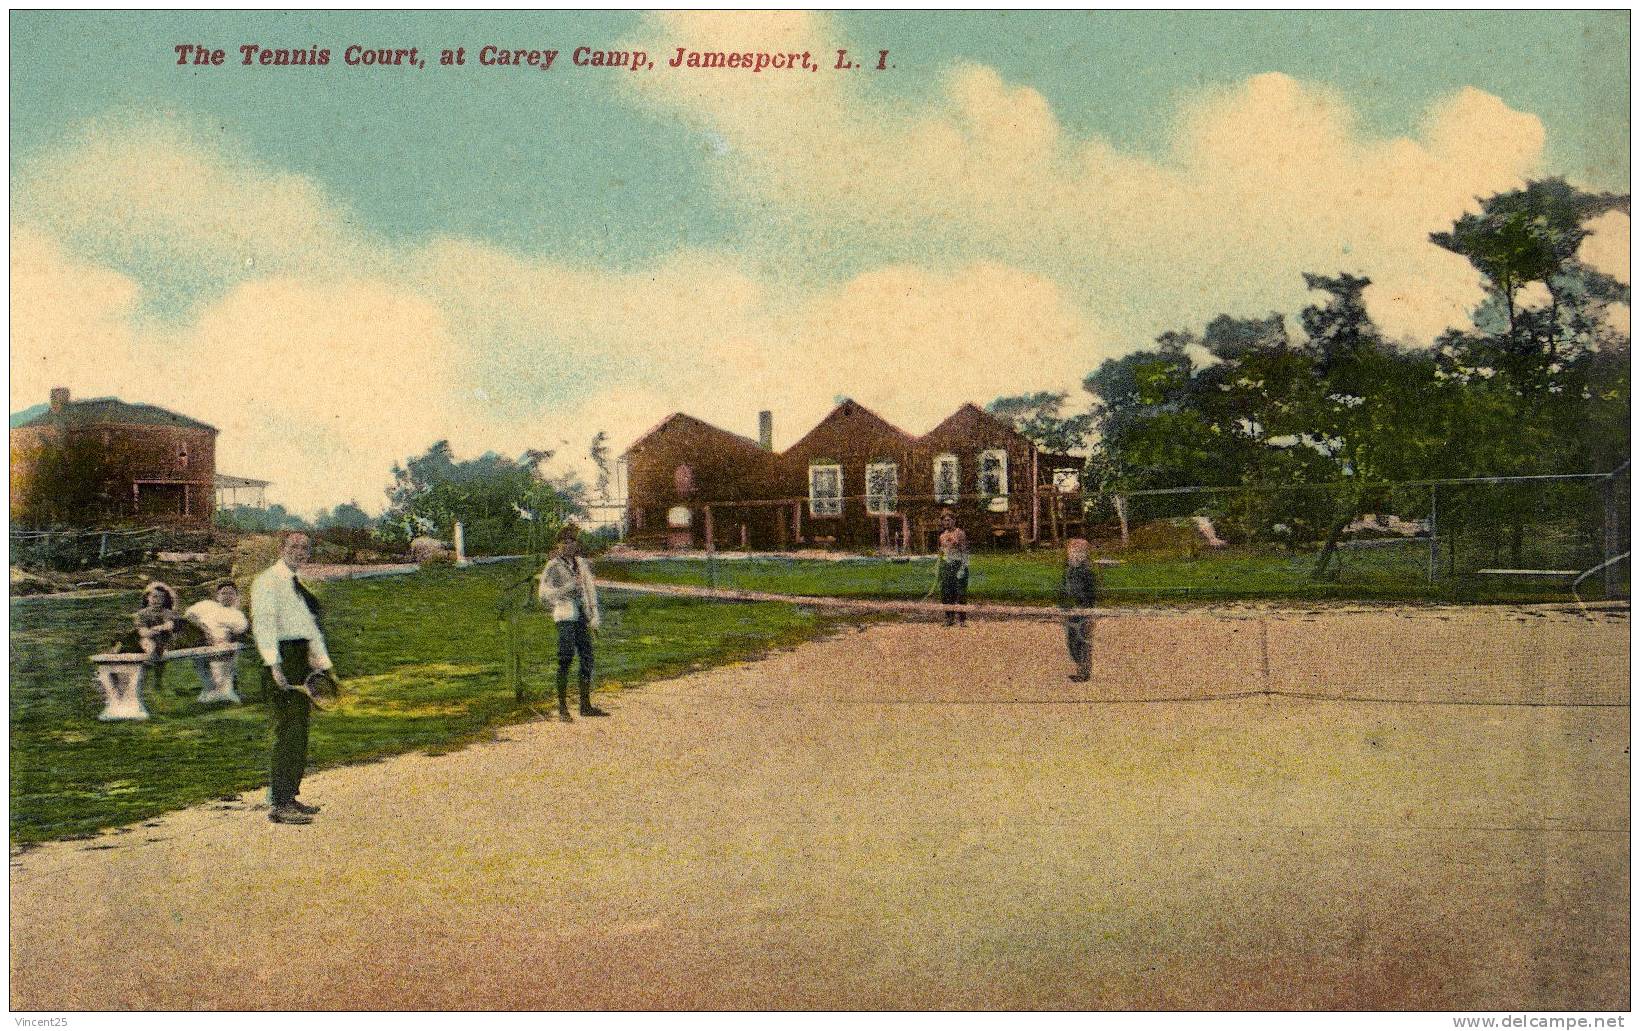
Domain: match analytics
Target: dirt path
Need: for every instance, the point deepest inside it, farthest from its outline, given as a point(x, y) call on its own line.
point(909, 816)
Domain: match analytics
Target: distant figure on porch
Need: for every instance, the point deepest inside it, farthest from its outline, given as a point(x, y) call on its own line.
point(953, 568)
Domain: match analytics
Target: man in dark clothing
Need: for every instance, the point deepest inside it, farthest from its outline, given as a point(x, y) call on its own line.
point(1079, 590)
point(953, 568)
point(285, 627)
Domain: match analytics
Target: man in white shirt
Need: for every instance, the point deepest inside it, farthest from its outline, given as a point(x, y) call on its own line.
point(285, 626)
point(566, 584)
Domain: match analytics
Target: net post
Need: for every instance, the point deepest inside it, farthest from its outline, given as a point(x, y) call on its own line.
point(1264, 652)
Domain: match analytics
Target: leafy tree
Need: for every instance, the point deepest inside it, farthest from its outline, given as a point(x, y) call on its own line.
point(598, 451)
point(1526, 236)
point(502, 503)
point(346, 516)
point(1037, 417)
point(272, 519)
point(70, 482)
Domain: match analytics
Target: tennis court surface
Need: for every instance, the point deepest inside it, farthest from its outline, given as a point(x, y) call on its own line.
point(1335, 808)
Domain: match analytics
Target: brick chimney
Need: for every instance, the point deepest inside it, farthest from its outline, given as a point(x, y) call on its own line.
point(765, 430)
point(59, 398)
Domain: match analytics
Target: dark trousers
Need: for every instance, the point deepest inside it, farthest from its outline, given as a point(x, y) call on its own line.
point(953, 591)
point(1078, 630)
point(290, 710)
point(574, 638)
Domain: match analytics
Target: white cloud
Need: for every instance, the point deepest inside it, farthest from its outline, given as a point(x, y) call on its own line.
point(1263, 181)
point(1606, 248)
point(325, 354)
point(321, 376)
point(156, 188)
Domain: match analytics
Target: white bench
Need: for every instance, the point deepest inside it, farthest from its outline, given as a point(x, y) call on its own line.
point(120, 675)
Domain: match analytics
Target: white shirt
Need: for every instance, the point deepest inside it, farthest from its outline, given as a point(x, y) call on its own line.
point(220, 623)
point(570, 590)
point(278, 613)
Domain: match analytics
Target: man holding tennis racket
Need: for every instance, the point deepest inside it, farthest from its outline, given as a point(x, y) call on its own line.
point(566, 585)
point(285, 626)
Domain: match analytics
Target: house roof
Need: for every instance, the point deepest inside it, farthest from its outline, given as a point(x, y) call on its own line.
point(680, 417)
point(848, 408)
point(106, 411)
point(224, 480)
point(973, 411)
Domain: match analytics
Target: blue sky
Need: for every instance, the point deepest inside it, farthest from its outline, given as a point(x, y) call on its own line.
point(582, 246)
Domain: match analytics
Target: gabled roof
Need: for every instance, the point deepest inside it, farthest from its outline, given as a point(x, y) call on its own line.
point(109, 411)
point(680, 418)
point(848, 408)
point(972, 411)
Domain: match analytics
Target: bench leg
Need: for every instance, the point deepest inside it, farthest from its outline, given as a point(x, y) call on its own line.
point(218, 677)
point(122, 691)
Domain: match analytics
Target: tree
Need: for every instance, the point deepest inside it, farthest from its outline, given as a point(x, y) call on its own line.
point(1037, 417)
point(1378, 409)
point(346, 516)
point(272, 519)
point(502, 503)
point(598, 451)
point(1532, 235)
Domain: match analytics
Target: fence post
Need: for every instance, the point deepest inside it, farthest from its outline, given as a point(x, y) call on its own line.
point(1609, 541)
point(711, 549)
point(1434, 541)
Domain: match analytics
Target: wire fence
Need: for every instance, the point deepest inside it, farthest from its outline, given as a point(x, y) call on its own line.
point(1531, 530)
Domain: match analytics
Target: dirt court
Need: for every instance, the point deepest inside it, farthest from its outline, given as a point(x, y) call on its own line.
point(908, 816)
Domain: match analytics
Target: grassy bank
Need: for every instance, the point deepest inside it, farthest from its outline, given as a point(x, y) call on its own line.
point(1380, 574)
point(422, 657)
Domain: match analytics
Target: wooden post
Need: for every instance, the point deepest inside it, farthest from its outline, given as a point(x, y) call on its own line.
point(1434, 542)
point(1612, 537)
point(745, 541)
point(711, 548)
point(797, 523)
point(1036, 496)
point(905, 534)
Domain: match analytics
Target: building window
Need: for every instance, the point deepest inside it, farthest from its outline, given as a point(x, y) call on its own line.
point(678, 517)
point(825, 490)
point(182, 456)
point(882, 487)
point(947, 479)
point(683, 480)
point(993, 478)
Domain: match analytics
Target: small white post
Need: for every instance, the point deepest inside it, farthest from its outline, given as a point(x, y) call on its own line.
point(461, 547)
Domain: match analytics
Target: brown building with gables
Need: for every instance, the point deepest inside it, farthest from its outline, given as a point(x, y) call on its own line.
point(105, 460)
point(854, 481)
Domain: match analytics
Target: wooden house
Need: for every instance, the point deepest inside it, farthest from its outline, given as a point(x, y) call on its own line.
point(854, 481)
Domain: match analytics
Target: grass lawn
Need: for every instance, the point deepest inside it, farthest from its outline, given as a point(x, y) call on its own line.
point(422, 658)
point(1377, 574)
